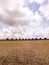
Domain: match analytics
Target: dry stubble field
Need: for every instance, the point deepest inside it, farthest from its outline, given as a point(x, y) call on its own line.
point(33, 52)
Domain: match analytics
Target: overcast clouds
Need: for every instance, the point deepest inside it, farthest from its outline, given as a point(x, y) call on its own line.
point(24, 19)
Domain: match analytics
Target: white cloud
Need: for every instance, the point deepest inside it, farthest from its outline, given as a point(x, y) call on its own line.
point(24, 32)
point(17, 14)
point(23, 23)
point(44, 9)
point(46, 32)
point(11, 4)
point(37, 1)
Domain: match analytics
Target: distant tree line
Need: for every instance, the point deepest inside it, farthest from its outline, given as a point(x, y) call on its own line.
point(26, 39)
point(29, 39)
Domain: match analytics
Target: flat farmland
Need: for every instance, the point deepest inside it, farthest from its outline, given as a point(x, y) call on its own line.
point(25, 52)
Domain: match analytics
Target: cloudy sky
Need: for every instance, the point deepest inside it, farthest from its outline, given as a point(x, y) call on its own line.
point(24, 19)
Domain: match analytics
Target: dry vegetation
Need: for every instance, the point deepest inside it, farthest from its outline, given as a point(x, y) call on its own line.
point(34, 52)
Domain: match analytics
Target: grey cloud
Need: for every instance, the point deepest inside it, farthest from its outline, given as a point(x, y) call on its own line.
point(7, 16)
point(9, 19)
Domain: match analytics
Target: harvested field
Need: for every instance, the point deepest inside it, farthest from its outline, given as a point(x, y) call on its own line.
point(33, 52)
